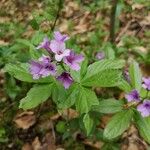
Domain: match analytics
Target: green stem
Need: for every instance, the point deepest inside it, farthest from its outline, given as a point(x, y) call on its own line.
point(113, 20)
point(57, 15)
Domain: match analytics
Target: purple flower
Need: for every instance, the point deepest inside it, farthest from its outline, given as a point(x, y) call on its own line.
point(144, 108)
point(59, 48)
point(60, 37)
point(73, 61)
point(42, 68)
point(100, 55)
point(45, 59)
point(65, 79)
point(146, 83)
point(45, 44)
point(133, 96)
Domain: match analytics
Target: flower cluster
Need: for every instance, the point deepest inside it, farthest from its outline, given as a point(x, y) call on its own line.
point(58, 55)
point(134, 96)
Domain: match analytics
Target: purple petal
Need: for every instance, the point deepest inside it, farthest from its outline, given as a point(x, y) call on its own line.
point(79, 58)
point(100, 55)
point(146, 83)
point(65, 79)
point(75, 66)
point(44, 44)
point(133, 96)
point(42, 69)
point(144, 108)
point(57, 46)
point(35, 67)
point(72, 60)
point(45, 59)
point(129, 97)
point(63, 54)
point(60, 37)
point(58, 57)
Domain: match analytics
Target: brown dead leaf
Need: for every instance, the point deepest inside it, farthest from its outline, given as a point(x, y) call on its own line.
point(70, 114)
point(137, 6)
point(3, 43)
point(25, 120)
point(36, 145)
point(49, 142)
point(131, 140)
point(63, 27)
point(84, 24)
point(96, 145)
point(27, 146)
point(55, 117)
point(104, 120)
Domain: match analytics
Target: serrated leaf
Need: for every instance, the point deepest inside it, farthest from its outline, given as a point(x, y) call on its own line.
point(143, 125)
point(24, 42)
point(70, 99)
point(118, 124)
point(85, 100)
point(110, 53)
point(108, 106)
point(21, 72)
point(35, 96)
point(88, 123)
point(135, 75)
point(34, 54)
point(78, 75)
point(59, 93)
point(37, 38)
point(108, 78)
point(103, 73)
point(125, 86)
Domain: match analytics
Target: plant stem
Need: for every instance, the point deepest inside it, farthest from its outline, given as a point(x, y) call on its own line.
point(57, 15)
point(113, 20)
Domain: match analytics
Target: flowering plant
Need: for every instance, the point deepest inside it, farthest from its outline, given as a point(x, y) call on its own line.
point(71, 81)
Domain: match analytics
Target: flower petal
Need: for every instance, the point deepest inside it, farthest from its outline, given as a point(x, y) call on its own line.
point(57, 46)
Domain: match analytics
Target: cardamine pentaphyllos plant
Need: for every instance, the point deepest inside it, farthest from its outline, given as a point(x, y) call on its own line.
point(58, 54)
point(67, 78)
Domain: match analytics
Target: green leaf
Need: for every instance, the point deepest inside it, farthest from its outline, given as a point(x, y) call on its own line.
point(59, 93)
point(125, 86)
point(118, 124)
point(11, 87)
point(61, 127)
point(78, 75)
point(143, 125)
point(110, 53)
point(103, 73)
point(88, 123)
point(108, 78)
point(34, 24)
point(70, 99)
point(85, 100)
point(21, 72)
point(24, 42)
point(37, 95)
point(34, 54)
point(135, 75)
point(108, 106)
point(37, 38)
